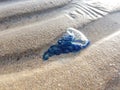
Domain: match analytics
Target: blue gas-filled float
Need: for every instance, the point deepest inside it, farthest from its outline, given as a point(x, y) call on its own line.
point(72, 41)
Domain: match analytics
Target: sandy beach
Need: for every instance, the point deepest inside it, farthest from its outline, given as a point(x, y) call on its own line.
point(28, 28)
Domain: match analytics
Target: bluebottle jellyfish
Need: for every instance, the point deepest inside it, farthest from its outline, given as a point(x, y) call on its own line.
point(71, 41)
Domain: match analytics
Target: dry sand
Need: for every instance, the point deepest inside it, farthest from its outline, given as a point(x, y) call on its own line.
point(26, 33)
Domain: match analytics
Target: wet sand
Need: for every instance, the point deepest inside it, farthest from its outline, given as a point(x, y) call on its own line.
point(26, 34)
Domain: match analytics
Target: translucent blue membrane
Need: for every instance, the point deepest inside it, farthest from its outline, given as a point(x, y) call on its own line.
point(72, 41)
